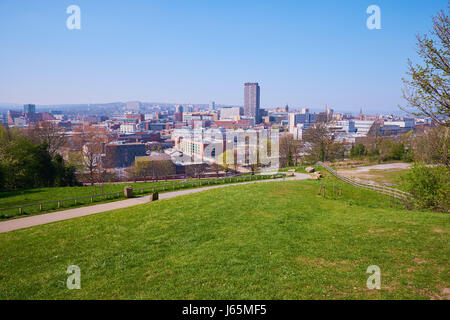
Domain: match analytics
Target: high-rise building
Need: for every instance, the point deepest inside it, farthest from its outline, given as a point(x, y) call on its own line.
point(29, 108)
point(304, 110)
point(252, 101)
point(212, 106)
point(178, 108)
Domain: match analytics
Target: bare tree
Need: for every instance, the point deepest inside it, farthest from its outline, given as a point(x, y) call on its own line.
point(427, 90)
point(215, 167)
point(132, 173)
point(196, 169)
point(91, 147)
point(162, 168)
point(141, 169)
point(289, 150)
point(50, 134)
point(318, 141)
point(374, 137)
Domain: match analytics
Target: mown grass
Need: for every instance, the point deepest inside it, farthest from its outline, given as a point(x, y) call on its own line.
point(275, 240)
point(21, 197)
point(32, 196)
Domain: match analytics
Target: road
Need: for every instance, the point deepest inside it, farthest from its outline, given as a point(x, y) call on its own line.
point(21, 223)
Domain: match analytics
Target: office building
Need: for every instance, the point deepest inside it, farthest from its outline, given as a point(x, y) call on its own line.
point(122, 155)
point(29, 108)
point(230, 113)
point(252, 101)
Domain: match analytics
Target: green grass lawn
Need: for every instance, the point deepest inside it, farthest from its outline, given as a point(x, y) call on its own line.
point(37, 195)
point(18, 197)
point(275, 240)
point(23, 197)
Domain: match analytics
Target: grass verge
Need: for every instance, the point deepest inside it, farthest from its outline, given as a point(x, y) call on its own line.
point(277, 240)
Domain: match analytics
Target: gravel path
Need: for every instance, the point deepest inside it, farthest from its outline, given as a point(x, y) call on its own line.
point(15, 224)
point(398, 165)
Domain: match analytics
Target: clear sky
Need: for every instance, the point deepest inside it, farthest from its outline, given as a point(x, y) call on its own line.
point(305, 53)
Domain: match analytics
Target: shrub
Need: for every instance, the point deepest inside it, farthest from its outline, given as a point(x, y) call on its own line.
point(430, 186)
point(358, 151)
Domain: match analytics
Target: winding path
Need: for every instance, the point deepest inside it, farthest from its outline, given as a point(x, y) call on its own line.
point(21, 223)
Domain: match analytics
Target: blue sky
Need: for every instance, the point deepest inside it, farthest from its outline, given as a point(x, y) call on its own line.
point(305, 53)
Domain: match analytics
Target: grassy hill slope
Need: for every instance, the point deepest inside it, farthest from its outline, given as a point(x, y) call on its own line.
point(276, 240)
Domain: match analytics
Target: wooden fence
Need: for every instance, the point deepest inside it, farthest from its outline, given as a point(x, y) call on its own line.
point(391, 192)
point(57, 204)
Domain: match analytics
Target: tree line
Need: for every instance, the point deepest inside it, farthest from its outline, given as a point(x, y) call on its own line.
point(30, 159)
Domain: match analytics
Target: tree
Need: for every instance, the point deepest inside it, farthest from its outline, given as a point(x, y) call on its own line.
point(374, 137)
point(289, 150)
point(225, 160)
point(215, 167)
point(429, 186)
point(132, 173)
point(28, 165)
point(91, 145)
point(196, 169)
point(358, 151)
point(433, 146)
point(42, 166)
point(336, 151)
point(427, 90)
point(65, 174)
point(2, 178)
point(50, 134)
point(163, 168)
point(142, 168)
point(318, 140)
point(17, 157)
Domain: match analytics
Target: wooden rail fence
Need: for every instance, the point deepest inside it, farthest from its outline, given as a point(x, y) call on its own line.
point(391, 192)
point(56, 204)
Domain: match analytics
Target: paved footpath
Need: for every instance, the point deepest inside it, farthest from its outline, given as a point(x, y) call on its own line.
point(36, 220)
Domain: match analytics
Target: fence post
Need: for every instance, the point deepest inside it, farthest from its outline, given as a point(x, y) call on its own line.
point(59, 204)
point(20, 210)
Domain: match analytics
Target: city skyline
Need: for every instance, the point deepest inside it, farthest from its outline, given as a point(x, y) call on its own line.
point(304, 54)
point(203, 105)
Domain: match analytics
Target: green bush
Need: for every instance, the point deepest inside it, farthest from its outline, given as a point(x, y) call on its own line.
point(25, 164)
point(358, 151)
point(430, 186)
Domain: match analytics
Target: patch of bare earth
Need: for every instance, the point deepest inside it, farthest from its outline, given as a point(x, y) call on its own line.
point(419, 260)
point(376, 230)
point(445, 293)
point(439, 231)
